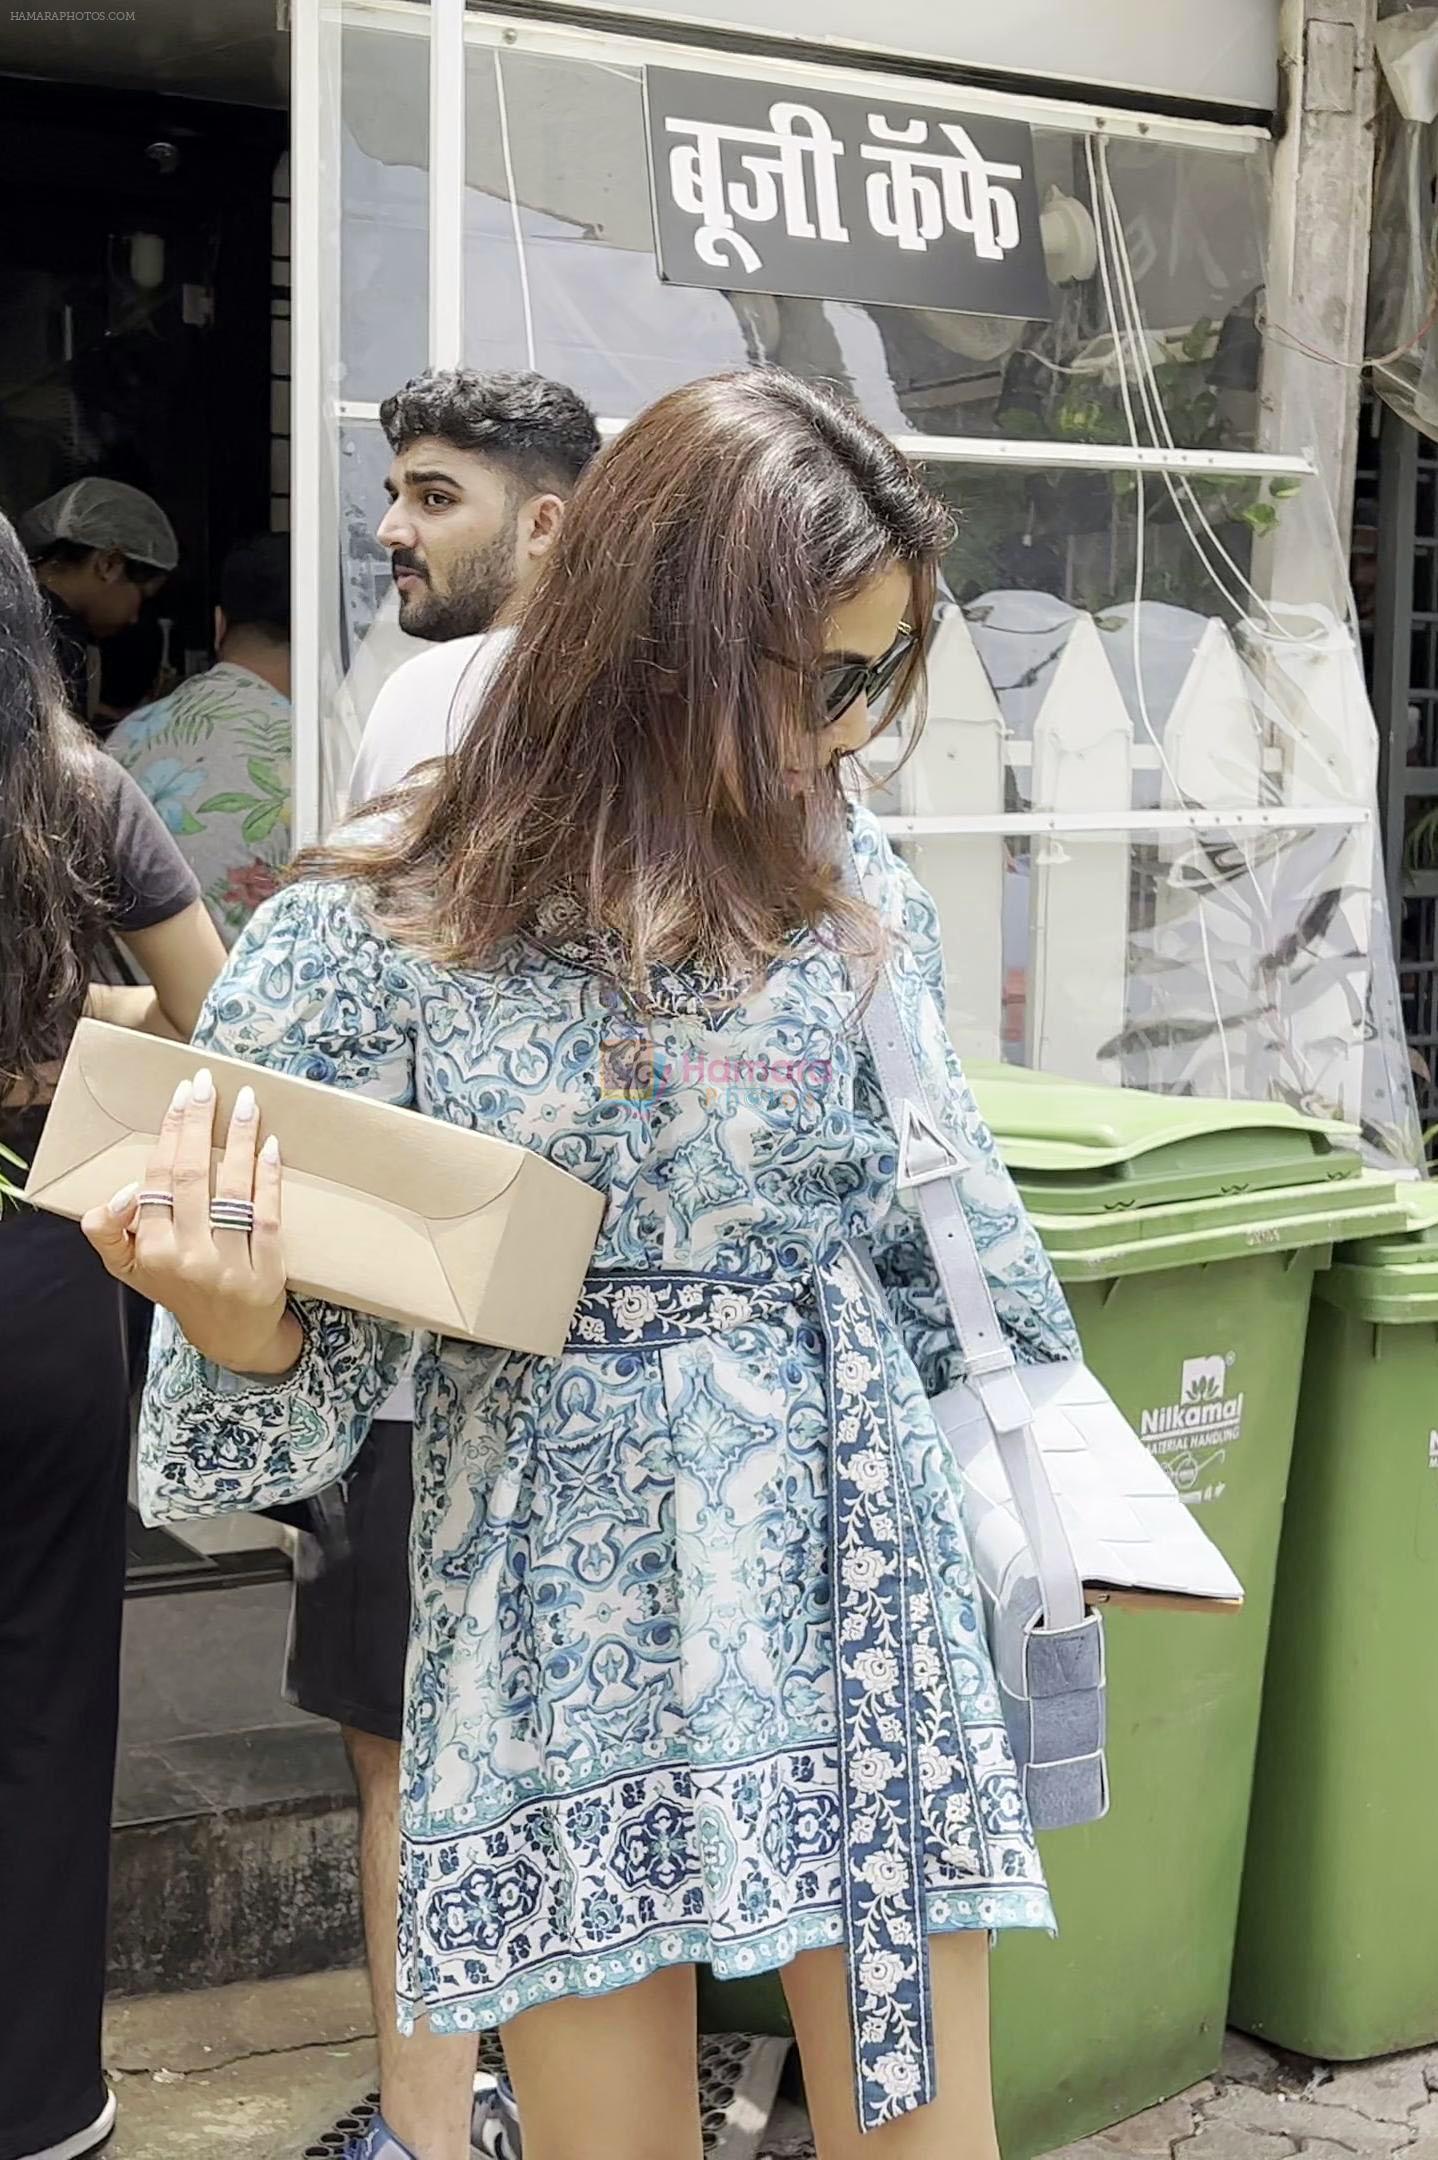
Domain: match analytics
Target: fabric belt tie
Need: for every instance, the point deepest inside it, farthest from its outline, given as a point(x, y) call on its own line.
point(882, 1600)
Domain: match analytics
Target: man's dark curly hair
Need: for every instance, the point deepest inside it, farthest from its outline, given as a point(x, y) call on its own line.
point(541, 432)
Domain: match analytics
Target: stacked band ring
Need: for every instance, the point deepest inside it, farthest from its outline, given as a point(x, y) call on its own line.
point(163, 1200)
point(232, 1215)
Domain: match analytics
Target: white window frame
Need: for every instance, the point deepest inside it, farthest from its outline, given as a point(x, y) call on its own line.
point(451, 29)
point(1033, 456)
point(314, 326)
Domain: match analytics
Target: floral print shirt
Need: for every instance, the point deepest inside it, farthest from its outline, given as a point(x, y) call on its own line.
point(214, 757)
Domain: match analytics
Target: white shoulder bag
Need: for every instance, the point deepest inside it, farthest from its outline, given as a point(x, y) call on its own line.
point(1064, 1506)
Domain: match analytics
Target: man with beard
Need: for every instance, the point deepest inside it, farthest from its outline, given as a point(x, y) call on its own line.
point(483, 467)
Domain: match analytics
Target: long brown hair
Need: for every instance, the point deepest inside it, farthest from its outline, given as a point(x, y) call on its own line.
point(53, 859)
point(636, 747)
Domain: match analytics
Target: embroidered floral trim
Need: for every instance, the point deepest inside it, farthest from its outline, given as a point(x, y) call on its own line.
point(893, 1684)
point(655, 1311)
point(948, 1913)
point(889, 1671)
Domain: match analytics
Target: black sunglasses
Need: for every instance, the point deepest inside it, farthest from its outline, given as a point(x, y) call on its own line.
point(844, 682)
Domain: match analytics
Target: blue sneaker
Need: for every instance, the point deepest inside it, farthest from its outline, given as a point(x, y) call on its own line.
point(494, 2128)
point(377, 2142)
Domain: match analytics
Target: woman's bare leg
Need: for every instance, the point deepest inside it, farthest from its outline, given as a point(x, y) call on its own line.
point(610, 2077)
point(959, 2123)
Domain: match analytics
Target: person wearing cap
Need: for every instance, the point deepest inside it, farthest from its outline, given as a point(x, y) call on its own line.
point(98, 547)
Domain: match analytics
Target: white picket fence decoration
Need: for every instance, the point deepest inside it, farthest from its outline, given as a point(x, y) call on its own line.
point(1079, 883)
point(960, 760)
point(1256, 772)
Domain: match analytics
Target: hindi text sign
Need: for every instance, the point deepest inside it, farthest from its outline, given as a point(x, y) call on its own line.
point(760, 187)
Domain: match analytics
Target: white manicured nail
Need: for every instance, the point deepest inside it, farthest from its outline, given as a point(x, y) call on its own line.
point(124, 1200)
point(244, 1106)
point(271, 1149)
point(180, 1100)
point(204, 1085)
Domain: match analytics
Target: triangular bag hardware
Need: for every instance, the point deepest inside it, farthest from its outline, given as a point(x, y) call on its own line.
point(924, 1152)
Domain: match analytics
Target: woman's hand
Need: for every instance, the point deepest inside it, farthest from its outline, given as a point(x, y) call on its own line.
point(224, 1285)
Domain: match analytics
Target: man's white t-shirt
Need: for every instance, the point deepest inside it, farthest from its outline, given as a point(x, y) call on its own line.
point(420, 713)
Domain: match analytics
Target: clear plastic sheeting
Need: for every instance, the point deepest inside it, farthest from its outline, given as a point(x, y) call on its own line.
point(384, 213)
point(560, 195)
point(1145, 798)
point(1151, 839)
point(1145, 795)
point(560, 274)
point(1402, 292)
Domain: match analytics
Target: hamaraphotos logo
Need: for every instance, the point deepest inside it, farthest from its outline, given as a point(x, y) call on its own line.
point(1192, 1436)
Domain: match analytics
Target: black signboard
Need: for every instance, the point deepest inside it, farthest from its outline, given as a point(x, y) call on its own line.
point(763, 187)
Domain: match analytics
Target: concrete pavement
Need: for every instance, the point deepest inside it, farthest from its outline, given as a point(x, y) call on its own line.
point(256, 2072)
point(251, 2072)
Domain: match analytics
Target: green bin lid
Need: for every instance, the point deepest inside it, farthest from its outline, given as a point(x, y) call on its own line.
point(1121, 1182)
point(1391, 1278)
point(1084, 1149)
point(1414, 1246)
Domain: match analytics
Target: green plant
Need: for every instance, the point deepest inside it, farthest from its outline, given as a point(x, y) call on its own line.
point(1420, 844)
point(1075, 533)
point(8, 1191)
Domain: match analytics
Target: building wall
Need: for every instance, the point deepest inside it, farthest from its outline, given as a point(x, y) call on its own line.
point(1225, 51)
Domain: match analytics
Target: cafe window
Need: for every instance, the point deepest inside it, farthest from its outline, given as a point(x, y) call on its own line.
point(1144, 797)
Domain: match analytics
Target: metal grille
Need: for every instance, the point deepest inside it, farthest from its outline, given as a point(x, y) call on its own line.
point(332, 2142)
point(1395, 574)
point(738, 2078)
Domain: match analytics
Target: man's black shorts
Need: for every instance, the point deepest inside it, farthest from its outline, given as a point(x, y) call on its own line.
point(349, 1619)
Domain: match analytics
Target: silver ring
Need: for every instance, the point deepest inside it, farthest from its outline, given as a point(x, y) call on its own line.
point(163, 1200)
point(232, 1215)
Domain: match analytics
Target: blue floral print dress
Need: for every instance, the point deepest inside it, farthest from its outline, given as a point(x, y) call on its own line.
point(697, 1670)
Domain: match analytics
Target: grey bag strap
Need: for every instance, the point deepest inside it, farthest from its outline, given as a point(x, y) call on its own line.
point(928, 1166)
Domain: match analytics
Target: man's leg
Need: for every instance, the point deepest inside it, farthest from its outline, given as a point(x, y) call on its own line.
point(349, 1632)
point(427, 2079)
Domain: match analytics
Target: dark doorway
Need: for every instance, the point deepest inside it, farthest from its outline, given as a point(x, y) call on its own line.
point(135, 316)
point(135, 342)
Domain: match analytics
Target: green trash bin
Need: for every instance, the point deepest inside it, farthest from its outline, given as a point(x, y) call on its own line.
point(1337, 1952)
point(1186, 1235)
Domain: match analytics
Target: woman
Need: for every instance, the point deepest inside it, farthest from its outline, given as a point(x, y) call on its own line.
point(82, 856)
point(614, 927)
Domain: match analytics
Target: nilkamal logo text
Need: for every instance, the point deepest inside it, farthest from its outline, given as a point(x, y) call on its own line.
point(1204, 1418)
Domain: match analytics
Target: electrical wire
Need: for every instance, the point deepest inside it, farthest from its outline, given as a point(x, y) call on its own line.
point(1290, 338)
point(1186, 502)
point(1154, 408)
point(1116, 329)
point(515, 219)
